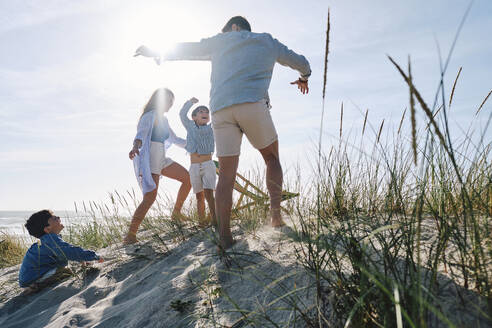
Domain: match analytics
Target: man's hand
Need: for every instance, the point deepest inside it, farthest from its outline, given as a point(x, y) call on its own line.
point(145, 51)
point(301, 85)
point(193, 100)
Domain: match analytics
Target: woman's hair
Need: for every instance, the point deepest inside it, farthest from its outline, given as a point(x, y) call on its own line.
point(160, 97)
point(37, 222)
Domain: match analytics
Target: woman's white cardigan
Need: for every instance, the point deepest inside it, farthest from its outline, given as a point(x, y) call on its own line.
point(141, 163)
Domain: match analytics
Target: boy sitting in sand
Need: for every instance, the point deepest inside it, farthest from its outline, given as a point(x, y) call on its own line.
point(45, 260)
point(200, 145)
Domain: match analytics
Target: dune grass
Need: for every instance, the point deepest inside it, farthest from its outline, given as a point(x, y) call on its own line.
point(12, 249)
point(387, 243)
point(398, 233)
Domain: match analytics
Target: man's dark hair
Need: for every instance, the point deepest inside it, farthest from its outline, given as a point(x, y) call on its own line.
point(196, 110)
point(37, 222)
point(240, 21)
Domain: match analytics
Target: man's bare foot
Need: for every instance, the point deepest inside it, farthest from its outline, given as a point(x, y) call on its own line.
point(277, 222)
point(222, 247)
point(277, 218)
point(130, 239)
point(226, 242)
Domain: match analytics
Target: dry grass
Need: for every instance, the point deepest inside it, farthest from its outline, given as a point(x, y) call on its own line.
point(12, 250)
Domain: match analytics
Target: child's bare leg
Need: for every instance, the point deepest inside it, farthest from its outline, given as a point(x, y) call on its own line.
point(140, 213)
point(209, 196)
point(200, 204)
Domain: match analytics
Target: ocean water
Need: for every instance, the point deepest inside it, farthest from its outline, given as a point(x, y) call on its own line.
point(13, 222)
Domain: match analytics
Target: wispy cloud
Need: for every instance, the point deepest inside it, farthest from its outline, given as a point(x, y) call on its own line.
point(24, 14)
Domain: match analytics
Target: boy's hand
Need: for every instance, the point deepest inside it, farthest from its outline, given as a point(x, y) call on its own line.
point(302, 85)
point(101, 260)
point(193, 100)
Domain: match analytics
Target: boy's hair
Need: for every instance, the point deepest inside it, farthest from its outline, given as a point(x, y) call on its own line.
point(37, 222)
point(196, 110)
point(240, 21)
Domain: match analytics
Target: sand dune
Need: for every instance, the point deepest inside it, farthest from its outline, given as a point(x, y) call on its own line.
point(187, 285)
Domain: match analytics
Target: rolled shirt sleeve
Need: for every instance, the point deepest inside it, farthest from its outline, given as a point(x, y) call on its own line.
point(289, 58)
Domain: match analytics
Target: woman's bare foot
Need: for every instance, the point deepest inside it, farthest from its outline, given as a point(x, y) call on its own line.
point(130, 239)
point(176, 216)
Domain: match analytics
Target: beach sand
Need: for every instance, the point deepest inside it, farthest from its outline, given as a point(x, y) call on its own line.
point(180, 285)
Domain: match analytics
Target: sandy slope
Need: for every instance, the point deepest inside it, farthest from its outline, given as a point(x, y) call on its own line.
point(136, 286)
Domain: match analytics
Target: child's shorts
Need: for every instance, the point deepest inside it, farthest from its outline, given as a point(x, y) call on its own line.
point(202, 176)
point(158, 159)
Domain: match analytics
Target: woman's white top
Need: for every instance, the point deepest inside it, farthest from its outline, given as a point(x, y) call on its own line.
point(141, 163)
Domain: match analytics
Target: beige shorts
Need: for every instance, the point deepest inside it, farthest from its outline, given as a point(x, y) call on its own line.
point(202, 176)
point(252, 119)
point(158, 159)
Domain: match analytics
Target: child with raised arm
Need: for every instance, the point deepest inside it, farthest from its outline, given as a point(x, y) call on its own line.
point(200, 146)
point(48, 257)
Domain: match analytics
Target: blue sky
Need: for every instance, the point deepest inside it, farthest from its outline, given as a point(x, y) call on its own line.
point(71, 92)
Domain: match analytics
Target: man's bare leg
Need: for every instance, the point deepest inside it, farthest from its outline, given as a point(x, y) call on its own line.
point(274, 179)
point(177, 172)
point(223, 196)
point(209, 196)
point(140, 212)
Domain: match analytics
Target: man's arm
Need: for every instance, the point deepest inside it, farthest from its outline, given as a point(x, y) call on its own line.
point(182, 51)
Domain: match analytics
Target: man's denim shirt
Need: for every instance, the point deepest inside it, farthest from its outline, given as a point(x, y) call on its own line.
point(50, 253)
point(242, 64)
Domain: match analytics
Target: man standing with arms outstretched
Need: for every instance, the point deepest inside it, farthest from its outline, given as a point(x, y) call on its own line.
point(242, 66)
